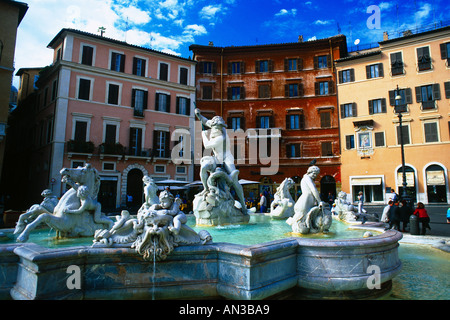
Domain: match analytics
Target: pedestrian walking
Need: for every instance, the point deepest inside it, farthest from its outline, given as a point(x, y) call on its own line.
point(423, 217)
point(262, 203)
point(394, 217)
point(361, 203)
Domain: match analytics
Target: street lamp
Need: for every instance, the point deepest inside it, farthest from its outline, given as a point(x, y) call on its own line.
point(399, 108)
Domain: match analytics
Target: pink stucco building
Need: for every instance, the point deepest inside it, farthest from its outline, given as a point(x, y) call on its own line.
point(116, 106)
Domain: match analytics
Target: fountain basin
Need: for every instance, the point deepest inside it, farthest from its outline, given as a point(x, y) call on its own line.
point(337, 268)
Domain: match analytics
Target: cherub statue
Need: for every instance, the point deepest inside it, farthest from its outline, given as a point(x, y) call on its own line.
point(89, 204)
point(168, 205)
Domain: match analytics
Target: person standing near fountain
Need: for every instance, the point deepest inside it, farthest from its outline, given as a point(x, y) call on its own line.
point(423, 216)
point(262, 203)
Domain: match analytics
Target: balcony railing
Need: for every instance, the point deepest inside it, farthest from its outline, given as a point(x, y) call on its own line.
point(112, 148)
point(428, 105)
point(137, 152)
point(74, 146)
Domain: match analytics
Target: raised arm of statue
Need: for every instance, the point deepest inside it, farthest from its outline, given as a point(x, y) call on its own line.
point(203, 119)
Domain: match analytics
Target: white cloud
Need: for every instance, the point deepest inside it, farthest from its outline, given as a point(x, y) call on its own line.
point(134, 15)
point(209, 12)
point(138, 37)
point(385, 5)
point(161, 43)
point(312, 38)
point(284, 12)
point(322, 22)
point(423, 12)
point(195, 30)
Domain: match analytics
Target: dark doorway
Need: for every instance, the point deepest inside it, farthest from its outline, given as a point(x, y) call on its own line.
point(134, 189)
point(327, 185)
point(107, 194)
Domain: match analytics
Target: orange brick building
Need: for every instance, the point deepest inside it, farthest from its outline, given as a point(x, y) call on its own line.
point(288, 89)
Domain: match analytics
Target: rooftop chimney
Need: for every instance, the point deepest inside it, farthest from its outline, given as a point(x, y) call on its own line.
point(211, 44)
point(300, 38)
point(385, 36)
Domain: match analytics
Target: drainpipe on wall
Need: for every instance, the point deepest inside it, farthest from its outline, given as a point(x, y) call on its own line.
point(221, 83)
point(331, 54)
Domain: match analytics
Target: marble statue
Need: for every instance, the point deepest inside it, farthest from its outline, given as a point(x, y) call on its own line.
point(216, 204)
point(311, 214)
point(150, 189)
point(282, 206)
point(46, 206)
point(77, 213)
point(159, 227)
point(343, 209)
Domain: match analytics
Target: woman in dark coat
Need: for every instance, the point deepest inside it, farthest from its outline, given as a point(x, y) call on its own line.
point(405, 212)
point(394, 217)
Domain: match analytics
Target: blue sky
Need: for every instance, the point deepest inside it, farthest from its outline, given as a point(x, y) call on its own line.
point(173, 25)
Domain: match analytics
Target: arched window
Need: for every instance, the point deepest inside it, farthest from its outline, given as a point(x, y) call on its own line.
point(436, 184)
point(410, 182)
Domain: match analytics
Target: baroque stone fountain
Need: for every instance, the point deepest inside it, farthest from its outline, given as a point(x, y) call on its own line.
point(156, 255)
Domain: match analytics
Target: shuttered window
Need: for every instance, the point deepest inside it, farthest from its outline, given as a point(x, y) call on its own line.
point(377, 106)
point(348, 110)
point(183, 106)
point(117, 62)
point(374, 71)
point(163, 71)
point(293, 150)
point(431, 132)
point(84, 89)
point(113, 94)
point(184, 76)
point(162, 102)
point(423, 58)
point(427, 95)
point(347, 76)
point(139, 66)
point(87, 55)
point(327, 150)
point(396, 63)
point(139, 100)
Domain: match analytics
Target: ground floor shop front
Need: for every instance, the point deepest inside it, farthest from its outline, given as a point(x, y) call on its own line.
point(427, 184)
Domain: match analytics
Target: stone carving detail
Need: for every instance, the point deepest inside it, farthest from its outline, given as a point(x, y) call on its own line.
point(311, 215)
point(282, 206)
point(215, 204)
point(344, 210)
point(160, 226)
point(77, 213)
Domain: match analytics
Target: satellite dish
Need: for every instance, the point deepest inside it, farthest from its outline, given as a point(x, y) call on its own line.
point(357, 42)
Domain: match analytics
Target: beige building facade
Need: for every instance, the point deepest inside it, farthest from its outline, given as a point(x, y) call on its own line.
point(416, 68)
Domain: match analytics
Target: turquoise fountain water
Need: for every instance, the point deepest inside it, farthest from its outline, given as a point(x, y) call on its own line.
point(424, 275)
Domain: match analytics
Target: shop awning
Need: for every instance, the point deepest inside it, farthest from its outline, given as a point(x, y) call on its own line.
point(366, 181)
